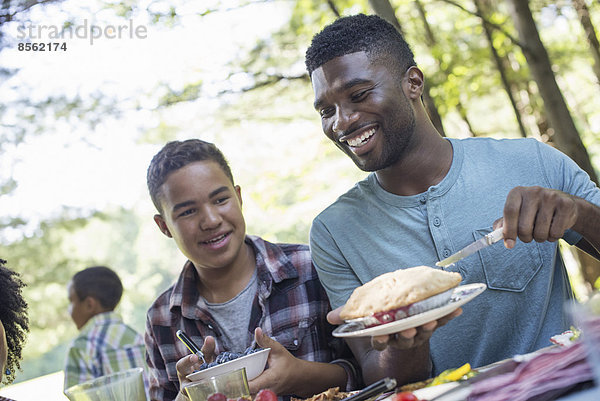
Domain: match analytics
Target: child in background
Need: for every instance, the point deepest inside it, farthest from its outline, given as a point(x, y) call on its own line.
point(105, 344)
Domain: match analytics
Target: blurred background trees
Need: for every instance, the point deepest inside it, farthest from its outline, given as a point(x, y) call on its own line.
point(510, 68)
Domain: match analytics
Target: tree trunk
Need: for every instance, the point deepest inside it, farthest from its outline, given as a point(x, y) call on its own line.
point(432, 42)
point(500, 66)
point(384, 9)
point(434, 115)
point(566, 136)
point(590, 33)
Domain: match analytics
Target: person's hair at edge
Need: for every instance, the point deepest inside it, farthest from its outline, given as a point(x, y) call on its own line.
point(13, 314)
point(176, 155)
point(379, 39)
point(100, 283)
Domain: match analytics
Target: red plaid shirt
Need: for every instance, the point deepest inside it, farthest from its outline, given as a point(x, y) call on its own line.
point(290, 306)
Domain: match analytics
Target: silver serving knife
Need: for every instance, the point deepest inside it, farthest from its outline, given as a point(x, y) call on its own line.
point(487, 240)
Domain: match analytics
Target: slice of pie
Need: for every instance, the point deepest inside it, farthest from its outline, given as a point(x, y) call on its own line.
point(403, 292)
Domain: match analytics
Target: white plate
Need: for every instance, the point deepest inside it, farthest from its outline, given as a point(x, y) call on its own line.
point(460, 296)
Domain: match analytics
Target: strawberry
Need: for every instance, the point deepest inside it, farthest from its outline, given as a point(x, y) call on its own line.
point(265, 395)
point(404, 396)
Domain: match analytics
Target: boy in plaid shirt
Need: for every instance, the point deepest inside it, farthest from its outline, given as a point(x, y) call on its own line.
point(235, 290)
point(105, 344)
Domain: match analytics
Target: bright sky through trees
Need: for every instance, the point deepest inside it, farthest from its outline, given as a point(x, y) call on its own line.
point(72, 164)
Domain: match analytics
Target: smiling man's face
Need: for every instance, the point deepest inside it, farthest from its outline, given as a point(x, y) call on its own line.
point(202, 212)
point(364, 110)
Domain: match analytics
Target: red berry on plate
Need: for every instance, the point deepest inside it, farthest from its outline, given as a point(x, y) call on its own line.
point(217, 397)
point(265, 395)
point(404, 396)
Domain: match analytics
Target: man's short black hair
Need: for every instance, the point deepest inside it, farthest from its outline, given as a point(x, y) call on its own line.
point(369, 33)
point(178, 154)
point(100, 283)
point(13, 314)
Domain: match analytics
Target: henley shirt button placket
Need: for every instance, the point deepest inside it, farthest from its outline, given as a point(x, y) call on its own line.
point(439, 237)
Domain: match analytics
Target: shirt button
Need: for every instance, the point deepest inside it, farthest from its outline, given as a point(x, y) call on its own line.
point(446, 252)
point(210, 327)
point(437, 222)
point(296, 341)
point(423, 200)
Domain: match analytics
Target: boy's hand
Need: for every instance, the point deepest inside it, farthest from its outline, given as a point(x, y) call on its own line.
point(208, 349)
point(185, 366)
point(192, 363)
point(282, 370)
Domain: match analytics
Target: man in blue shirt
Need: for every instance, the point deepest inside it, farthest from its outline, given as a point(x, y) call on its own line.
point(430, 196)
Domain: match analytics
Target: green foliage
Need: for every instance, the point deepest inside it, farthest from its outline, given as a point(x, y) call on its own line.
point(48, 258)
point(188, 93)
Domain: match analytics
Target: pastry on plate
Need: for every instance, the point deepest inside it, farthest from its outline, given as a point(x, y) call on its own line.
point(399, 294)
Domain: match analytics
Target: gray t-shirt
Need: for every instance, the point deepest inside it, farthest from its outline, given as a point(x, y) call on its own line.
point(368, 231)
point(234, 316)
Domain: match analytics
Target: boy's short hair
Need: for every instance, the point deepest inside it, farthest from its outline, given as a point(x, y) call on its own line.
point(178, 154)
point(369, 33)
point(13, 314)
point(98, 282)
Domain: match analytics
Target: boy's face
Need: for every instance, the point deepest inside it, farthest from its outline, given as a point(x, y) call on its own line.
point(202, 212)
point(80, 310)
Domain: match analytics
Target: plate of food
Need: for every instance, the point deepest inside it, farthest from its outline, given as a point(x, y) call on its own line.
point(402, 300)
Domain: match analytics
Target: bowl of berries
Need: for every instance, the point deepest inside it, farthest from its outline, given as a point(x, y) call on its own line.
point(253, 359)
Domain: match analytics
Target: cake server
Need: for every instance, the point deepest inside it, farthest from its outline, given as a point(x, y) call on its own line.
point(481, 243)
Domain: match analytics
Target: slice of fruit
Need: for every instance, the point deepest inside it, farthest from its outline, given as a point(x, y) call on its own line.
point(451, 375)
